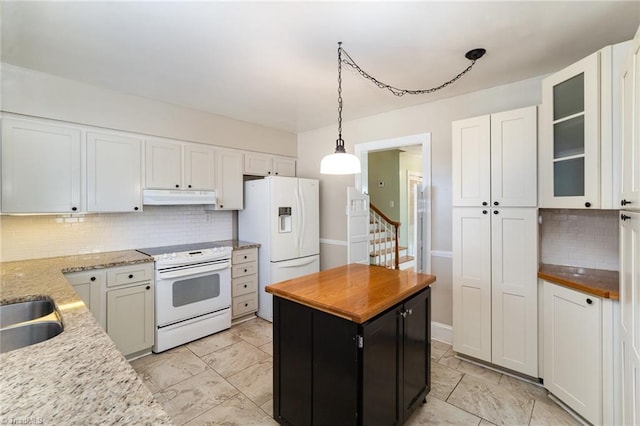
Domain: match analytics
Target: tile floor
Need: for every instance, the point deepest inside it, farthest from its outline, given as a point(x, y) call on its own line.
point(226, 379)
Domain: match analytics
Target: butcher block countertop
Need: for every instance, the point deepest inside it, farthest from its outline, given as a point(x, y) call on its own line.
point(596, 282)
point(355, 292)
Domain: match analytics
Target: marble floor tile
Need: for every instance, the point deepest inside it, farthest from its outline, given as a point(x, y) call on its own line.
point(171, 367)
point(449, 359)
point(238, 410)
point(547, 412)
point(267, 407)
point(437, 412)
point(212, 343)
point(528, 390)
point(267, 347)
point(438, 349)
point(192, 397)
point(443, 380)
point(256, 331)
point(234, 358)
point(488, 423)
point(491, 402)
point(256, 381)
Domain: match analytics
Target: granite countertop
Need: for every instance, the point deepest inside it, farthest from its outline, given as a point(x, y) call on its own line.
point(596, 282)
point(239, 244)
point(78, 376)
point(355, 292)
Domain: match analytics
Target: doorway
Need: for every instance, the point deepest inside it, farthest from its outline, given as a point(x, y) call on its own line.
point(419, 198)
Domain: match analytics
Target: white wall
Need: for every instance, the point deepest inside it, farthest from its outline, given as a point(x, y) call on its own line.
point(30, 237)
point(434, 117)
point(34, 93)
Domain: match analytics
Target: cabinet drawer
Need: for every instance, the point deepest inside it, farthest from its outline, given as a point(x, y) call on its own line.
point(244, 285)
point(129, 274)
point(244, 304)
point(244, 269)
point(243, 256)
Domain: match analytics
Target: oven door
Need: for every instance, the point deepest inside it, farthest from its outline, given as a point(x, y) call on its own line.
point(187, 292)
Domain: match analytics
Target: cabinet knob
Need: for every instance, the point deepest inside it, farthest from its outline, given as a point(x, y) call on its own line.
point(484, 212)
point(484, 203)
point(136, 208)
point(245, 270)
point(74, 208)
point(221, 206)
point(246, 304)
point(495, 212)
point(177, 186)
point(130, 276)
point(587, 204)
point(148, 287)
point(624, 202)
point(624, 217)
point(589, 301)
point(410, 311)
point(92, 278)
point(495, 203)
point(268, 173)
point(245, 286)
point(245, 256)
point(276, 173)
point(189, 186)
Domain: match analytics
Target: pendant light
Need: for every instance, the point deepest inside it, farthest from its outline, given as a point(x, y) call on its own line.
point(342, 163)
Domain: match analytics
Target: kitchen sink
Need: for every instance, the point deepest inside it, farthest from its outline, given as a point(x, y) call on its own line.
point(28, 334)
point(27, 323)
point(15, 313)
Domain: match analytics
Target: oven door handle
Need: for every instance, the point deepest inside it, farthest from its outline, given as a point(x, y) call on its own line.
point(194, 271)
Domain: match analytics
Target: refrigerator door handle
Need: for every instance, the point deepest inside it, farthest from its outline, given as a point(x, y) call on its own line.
point(296, 262)
point(301, 209)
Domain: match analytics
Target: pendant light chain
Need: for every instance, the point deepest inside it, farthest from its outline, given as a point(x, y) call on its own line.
point(340, 141)
point(400, 92)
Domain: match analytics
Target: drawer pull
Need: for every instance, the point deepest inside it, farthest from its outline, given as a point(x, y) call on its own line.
point(246, 304)
point(92, 278)
point(245, 286)
point(245, 256)
point(589, 301)
point(148, 287)
point(130, 276)
point(245, 269)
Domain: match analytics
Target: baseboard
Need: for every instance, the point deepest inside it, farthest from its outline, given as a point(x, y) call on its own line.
point(442, 332)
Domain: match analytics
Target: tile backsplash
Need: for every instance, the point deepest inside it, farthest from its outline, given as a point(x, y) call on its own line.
point(586, 238)
point(28, 237)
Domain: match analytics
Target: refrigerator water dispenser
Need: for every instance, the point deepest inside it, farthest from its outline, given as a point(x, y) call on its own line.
point(284, 219)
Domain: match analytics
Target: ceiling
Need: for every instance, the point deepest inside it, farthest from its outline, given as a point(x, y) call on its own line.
point(275, 63)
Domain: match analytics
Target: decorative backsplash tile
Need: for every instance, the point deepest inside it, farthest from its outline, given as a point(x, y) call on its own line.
point(586, 238)
point(28, 237)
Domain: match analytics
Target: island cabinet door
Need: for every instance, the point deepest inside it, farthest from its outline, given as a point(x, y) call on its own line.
point(380, 361)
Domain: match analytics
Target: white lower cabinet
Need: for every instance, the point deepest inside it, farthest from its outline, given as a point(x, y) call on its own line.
point(495, 286)
point(580, 352)
point(122, 300)
point(244, 282)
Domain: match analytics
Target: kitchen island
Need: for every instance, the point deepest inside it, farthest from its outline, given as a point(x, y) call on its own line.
point(351, 346)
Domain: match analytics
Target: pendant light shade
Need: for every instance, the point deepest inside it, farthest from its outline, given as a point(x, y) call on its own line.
point(340, 163)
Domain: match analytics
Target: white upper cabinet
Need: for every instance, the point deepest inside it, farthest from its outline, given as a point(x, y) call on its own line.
point(114, 173)
point(163, 161)
point(40, 167)
point(630, 150)
point(580, 132)
point(268, 165)
point(179, 165)
point(494, 159)
point(229, 182)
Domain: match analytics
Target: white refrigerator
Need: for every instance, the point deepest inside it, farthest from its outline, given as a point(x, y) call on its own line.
point(282, 215)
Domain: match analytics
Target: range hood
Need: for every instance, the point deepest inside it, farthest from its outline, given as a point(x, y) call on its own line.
point(170, 197)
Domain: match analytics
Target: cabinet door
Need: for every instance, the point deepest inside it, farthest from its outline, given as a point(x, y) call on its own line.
point(514, 147)
point(114, 173)
point(630, 182)
point(284, 166)
point(471, 162)
point(163, 160)
point(40, 168)
point(570, 145)
point(130, 319)
point(380, 361)
point(229, 185)
point(514, 261)
point(416, 352)
point(630, 315)
point(573, 349)
point(257, 164)
point(198, 167)
point(89, 286)
point(472, 282)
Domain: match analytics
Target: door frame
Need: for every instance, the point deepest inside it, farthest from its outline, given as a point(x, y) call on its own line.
point(362, 179)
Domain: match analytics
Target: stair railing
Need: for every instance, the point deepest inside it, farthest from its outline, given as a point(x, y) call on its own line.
point(383, 226)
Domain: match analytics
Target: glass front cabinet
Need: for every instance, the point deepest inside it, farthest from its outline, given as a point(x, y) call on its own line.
point(570, 154)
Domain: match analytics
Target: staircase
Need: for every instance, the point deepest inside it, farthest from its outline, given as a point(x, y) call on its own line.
point(383, 242)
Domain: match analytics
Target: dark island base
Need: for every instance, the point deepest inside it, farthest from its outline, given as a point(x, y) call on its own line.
point(332, 371)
